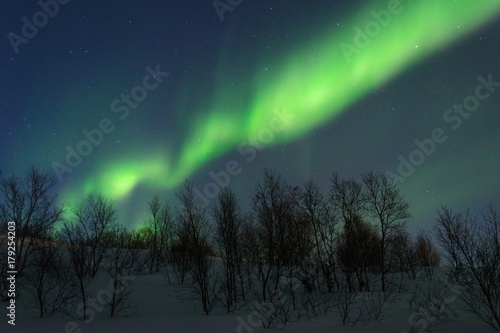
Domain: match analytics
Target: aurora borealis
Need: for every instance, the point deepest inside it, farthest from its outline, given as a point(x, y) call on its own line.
point(345, 106)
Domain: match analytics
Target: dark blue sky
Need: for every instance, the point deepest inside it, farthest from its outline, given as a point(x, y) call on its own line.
point(65, 78)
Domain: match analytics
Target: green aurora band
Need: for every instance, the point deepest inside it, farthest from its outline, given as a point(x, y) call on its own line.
point(314, 91)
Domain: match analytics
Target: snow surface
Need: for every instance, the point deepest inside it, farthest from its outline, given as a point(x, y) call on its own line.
point(159, 311)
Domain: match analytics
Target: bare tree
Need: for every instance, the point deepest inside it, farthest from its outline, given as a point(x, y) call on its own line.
point(228, 224)
point(47, 278)
point(85, 235)
point(79, 253)
point(119, 264)
point(158, 232)
point(323, 223)
point(347, 305)
point(96, 217)
point(275, 312)
point(358, 251)
point(431, 300)
point(448, 225)
point(251, 252)
point(348, 200)
point(427, 255)
point(376, 305)
point(138, 247)
point(272, 210)
point(300, 250)
point(402, 257)
point(477, 242)
point(194, 235)
point(179, 256)
point(347, 196)
point(384, 203)
point(31, 204)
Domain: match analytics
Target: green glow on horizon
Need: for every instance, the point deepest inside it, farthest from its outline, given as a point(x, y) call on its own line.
point(314, 84)
point(117, 180)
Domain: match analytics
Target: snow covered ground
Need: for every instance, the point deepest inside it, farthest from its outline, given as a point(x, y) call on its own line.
point(159, 310)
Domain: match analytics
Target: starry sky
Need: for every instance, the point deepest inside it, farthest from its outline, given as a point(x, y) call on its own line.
point(129, 99)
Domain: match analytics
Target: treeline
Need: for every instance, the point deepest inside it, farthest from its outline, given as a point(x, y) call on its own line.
point(297, 252)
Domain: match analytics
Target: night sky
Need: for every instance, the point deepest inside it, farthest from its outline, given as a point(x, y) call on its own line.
point(168, 90)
